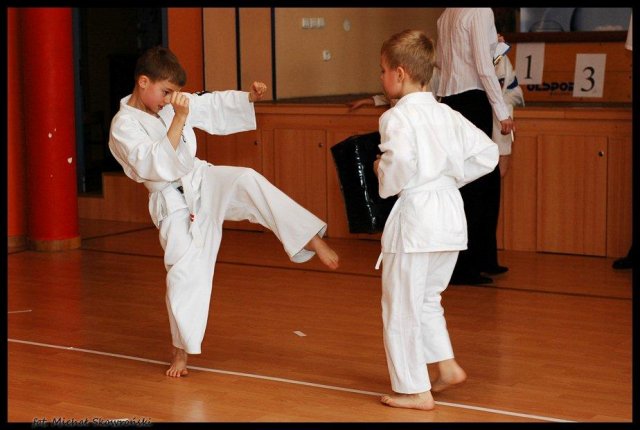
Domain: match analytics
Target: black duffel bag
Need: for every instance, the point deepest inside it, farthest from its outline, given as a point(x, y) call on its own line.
point(354, 157)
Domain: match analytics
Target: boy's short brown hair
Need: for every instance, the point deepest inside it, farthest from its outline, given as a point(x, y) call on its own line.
point(159, 63)
point(414, 51)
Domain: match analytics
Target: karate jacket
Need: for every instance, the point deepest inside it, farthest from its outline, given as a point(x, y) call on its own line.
point(429, 152)
point(139, 142)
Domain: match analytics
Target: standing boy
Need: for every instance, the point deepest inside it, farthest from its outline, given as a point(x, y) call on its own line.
point(428, 152)
point(152, 138)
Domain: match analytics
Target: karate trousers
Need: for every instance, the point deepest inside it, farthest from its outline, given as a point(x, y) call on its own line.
point(414, 328)
point(227, 193)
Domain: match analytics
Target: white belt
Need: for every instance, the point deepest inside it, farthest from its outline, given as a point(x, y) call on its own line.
point(379, 261)
point(178, 186)
point(194, 229)
point(187, 192)
point(439, 184)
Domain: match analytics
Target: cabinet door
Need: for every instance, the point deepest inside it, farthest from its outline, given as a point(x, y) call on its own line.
point(619, 196)
point(300, 167)
point(240, 149)
point(518, 194)
point(572, 194)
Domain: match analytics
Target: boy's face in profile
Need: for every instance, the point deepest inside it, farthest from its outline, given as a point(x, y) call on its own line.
point(156, 94)
point(389, 77)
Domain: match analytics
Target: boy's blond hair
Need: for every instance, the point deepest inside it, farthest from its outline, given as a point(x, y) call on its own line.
point(159, 63)
point(414, 51)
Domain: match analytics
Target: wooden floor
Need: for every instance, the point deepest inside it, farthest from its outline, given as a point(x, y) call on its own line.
point(551, 340)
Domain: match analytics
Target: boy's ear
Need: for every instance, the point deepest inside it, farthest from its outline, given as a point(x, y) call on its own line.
point(143, 81)
point(401, 73)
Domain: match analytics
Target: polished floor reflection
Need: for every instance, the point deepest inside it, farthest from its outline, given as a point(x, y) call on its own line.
point(550, 340)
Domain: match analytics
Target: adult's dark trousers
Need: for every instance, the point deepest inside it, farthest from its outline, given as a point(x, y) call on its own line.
point(481, 197)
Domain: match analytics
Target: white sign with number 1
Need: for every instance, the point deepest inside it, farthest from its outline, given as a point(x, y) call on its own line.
point(529, 63)
point(588, 80)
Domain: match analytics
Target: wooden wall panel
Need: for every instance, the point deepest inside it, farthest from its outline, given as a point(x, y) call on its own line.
point(220, 55)
point(186, 41)
point(122, 199)
point(354, 67)
point(255, 48)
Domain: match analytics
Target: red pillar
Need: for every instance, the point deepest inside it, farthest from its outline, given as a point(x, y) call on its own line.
point(16, 185)
point(47, 55)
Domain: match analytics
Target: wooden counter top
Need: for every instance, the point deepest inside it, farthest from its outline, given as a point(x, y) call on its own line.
point(337, 105)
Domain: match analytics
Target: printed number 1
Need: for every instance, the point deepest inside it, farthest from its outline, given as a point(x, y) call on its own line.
point(528, 57)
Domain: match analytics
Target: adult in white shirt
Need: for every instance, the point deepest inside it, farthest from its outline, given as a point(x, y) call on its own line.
point(467, 39)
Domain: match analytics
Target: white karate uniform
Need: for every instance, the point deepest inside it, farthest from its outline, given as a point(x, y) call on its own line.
point(429, 151)
point(512, 96)
point(190, 223)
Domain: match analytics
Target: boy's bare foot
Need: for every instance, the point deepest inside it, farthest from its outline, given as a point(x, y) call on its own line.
point(178, 364)
point(450, 374)
point(423, 401)
point(327, 255)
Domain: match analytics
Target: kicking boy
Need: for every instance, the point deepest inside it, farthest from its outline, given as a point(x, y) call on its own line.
point(152, 138)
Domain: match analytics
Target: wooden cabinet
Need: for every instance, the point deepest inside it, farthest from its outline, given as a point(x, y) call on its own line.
point(239, 149)
point(517, 223)
point(569, 185)
point(572, 191)
point(619, 201)
point(300, 160)
point(298, 141)
point(568, 189)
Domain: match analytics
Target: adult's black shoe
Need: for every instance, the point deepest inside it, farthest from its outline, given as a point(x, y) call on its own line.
point(470, 280)
point(495, 270)
point(623, 263)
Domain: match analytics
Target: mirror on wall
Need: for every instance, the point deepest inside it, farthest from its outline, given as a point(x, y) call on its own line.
point(563, 24)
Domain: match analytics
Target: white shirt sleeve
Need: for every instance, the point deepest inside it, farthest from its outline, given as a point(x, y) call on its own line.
point(480, 152)
point(145, 159)
point(380, 100)
point(398, 163)
point(222, 112)
point(628, 44)
point(481, 41)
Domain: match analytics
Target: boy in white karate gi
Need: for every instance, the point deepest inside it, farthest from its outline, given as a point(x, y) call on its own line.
point(512, 96)
point(428, 152)
point(152, 138)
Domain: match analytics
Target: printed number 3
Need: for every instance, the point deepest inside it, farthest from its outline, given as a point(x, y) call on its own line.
point(589, 78)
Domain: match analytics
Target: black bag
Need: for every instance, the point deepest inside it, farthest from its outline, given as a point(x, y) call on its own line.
point(354, 157)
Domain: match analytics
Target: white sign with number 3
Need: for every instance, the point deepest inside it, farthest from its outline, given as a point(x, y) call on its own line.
point(589, 75)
